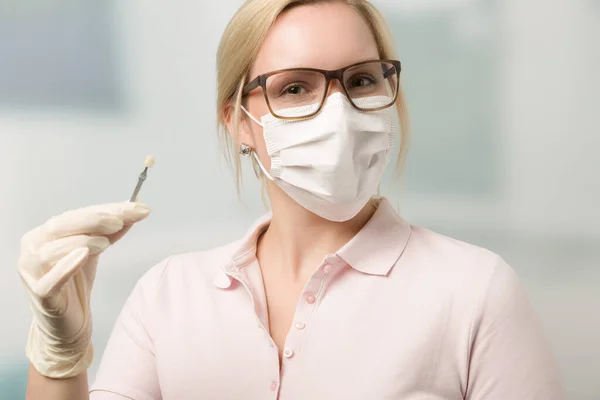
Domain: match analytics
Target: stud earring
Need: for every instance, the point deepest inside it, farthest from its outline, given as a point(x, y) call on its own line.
point(245, 150)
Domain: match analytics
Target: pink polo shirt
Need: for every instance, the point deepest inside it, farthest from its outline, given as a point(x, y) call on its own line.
point(399, 312)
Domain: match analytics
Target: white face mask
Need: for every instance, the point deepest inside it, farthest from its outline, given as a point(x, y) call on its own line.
point(330, 164)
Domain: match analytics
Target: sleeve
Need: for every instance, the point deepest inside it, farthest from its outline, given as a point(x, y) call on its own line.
point(128, 368)
point(510, 358)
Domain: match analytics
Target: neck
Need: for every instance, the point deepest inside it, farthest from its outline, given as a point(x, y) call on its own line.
point(298, 240)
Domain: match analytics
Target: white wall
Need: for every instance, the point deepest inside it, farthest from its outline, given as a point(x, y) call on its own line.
point(551, 64)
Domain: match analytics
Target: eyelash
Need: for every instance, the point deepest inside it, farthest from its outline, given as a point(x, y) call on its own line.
point(302, 85)
point(368, 77)
point(291, 85)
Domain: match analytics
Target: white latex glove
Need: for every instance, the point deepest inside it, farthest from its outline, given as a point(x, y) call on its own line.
point(58, 265)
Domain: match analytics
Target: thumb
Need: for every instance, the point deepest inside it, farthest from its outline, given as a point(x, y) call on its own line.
point(52, 282)
point(115, 237)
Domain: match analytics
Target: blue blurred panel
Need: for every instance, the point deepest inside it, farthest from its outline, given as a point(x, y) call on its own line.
point(58, 54)
point(13, 382)
point(449, 81)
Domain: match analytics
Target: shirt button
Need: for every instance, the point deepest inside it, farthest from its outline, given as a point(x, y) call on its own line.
point(288, 353)
point(326, 268)
point(274, 385)
point(300, 325)
point(310, 298)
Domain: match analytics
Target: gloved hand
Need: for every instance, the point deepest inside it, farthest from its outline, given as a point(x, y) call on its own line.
point(58, 265)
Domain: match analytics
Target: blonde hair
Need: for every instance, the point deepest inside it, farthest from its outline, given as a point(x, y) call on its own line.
point(240, 45)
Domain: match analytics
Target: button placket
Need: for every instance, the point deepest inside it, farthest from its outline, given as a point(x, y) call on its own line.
point(258, 321)
point(234, 273)
point(304, 311)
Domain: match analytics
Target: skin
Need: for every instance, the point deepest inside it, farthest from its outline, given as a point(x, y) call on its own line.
point(39, 387)
point(297, 240)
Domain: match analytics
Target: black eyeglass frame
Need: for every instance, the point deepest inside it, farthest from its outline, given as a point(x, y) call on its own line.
point(261, 81)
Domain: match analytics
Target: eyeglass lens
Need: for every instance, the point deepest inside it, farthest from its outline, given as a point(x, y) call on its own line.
point(300, 93)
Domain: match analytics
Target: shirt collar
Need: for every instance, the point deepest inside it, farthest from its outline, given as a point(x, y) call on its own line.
point(244, 252)
point(374, 250)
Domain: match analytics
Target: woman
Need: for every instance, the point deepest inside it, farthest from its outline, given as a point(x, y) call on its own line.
point(330, 296)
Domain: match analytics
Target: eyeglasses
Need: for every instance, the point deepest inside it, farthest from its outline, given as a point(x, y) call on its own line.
point(299, 93)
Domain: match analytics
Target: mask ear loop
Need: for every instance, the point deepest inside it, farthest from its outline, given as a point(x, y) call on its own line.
point(246, 150)
point(251, 116)
point(262, 168)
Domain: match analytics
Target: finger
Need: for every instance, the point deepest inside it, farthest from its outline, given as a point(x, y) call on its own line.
point(52, 252)
point(50, 284)
point(115, 237)
point(127, 211)
point(104, 219)
point(80, 222)
point(128, 225)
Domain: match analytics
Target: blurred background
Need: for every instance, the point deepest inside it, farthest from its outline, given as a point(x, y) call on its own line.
point(503, 97)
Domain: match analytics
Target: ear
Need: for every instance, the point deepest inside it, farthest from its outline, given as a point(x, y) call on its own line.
point(244, 128)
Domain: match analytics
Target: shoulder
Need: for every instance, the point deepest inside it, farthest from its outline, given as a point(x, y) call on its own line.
point(474, 284)
point(458, 270)
point(176, 272)
point(444, 255)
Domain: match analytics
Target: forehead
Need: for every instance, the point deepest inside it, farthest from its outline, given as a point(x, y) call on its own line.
point(325, 36)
